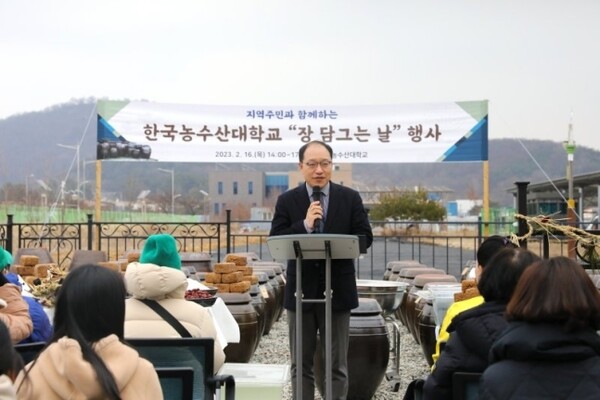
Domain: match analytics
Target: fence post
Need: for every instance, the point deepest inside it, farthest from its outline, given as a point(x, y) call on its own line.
point(228, 225)
point(546, 246)
point(522, 209)
point(479, 231)
point(9, 233)
point(90, 226)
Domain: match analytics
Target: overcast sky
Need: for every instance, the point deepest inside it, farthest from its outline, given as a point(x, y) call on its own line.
point(535, 61)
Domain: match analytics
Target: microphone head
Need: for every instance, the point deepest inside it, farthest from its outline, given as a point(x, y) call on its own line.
point(317, 197)
point(317, 193)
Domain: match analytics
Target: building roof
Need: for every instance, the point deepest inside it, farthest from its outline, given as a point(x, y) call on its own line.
point(386, 189)
point(588, 182)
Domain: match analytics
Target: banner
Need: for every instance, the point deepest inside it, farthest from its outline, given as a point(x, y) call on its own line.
point(412, 133)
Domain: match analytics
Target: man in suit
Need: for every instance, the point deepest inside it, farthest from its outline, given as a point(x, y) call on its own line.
point(339, 211)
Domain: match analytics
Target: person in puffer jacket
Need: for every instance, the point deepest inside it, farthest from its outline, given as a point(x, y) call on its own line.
point(551, 349)
point(87, 357)
point(42, 326)
point(15, 314)
point(473, 332)
point(158, 276)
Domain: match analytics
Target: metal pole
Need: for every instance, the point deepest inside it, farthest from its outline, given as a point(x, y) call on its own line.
point(78, 182)
point(486, 197)
point(98, 196)
point(522, 209)
point(597, 208)
point(299, 366)
point(580, 207)
point(328, 345)
point(571, 216)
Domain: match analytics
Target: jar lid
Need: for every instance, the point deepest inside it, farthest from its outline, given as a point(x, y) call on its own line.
point(235, 298)
point(263, 277)
point(254, 290)
point(193, 256)
point(366, 306)
point(422, 279)
point(411, 272)
point(277, 267)
point(269, 270)
point(398, 265)
point(379, 286)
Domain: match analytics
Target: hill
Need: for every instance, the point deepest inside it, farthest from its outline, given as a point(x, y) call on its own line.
point(509, 162)
point(29, 146)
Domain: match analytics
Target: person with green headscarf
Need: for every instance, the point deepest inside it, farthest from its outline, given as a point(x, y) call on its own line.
point(158, 276)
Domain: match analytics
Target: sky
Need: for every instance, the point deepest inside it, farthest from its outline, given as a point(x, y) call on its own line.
point(537, 62)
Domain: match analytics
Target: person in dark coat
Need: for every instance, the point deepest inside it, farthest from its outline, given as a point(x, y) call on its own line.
point(551, 349)
point(338, 210)
point(473, 332)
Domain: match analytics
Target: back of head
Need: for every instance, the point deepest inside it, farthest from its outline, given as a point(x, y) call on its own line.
point(491, 246)
point(558, 291)
point(502, 273)
point(161, 250)
point(90, 304)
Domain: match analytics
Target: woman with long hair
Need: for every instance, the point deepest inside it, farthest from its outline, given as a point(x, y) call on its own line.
point(86, 357)
point(551, 348)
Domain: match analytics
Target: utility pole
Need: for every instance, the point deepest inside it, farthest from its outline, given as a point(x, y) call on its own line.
point(571, 215)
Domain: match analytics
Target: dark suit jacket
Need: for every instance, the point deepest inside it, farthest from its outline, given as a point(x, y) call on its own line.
point(346, 215)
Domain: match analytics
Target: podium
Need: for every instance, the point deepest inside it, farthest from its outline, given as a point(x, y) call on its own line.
point(314, 247)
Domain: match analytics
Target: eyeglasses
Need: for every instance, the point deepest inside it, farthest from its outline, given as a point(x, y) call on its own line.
point(314, 164)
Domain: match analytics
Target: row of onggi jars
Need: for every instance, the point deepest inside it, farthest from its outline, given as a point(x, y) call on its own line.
point(416, 309)
point(255, 311)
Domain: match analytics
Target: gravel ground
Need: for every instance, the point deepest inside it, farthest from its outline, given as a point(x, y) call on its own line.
point(273, 349)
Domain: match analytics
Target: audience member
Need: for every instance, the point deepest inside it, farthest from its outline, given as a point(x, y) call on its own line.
point(158, 277)
point(87, 357)
point(487, 249)
point(42, 327)
point(7, 364)
point(550, 349)
point(16, 313)
point(473, 332)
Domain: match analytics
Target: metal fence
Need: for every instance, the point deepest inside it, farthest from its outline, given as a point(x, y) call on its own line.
point(443, 245)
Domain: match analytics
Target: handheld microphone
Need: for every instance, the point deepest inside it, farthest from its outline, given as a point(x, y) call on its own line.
point(317, 197)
